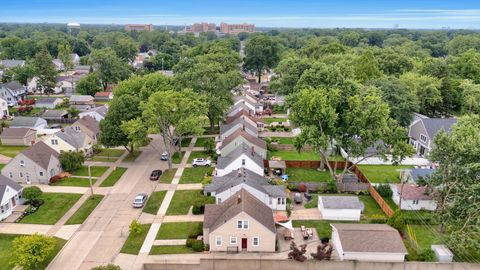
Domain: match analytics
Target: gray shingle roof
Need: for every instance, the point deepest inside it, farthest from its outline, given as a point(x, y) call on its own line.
point(13, 85)
point(247, 177)
point(239, 121)
point(4, 182)
point(16, 132)
point(223, 162)
point(433, 125)
point(50, 100)
point(218, 214)
point(369, 238)
point(40, 153)
point(252, 139)
point(418, 173)
point(23, 121)
point(341, 202)
point(90, 123)
point(81, 98)
point(10, 63)
point(54, 113)
point(72, 137)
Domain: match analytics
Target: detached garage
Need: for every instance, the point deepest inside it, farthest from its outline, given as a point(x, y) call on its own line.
point(340, 207)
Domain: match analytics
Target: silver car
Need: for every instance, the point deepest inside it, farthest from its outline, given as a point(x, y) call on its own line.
point(140, 200)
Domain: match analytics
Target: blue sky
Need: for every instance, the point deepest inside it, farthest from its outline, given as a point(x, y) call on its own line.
point(272, 13)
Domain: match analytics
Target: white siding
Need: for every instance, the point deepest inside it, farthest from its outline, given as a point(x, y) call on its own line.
point(237, 163)
point(265, 198)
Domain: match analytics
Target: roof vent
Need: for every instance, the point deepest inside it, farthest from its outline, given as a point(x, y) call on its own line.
point(239, 199)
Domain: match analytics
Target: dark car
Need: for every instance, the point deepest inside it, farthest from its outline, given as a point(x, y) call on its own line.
point(155, 174)
point(307, 196)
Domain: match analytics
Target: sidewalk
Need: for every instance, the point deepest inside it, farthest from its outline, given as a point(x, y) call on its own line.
point(20, 228)
point(183, 218)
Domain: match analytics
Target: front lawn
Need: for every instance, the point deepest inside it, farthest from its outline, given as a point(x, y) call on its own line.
point(308, 175)
point(7, 256)
point(158, 250)
point(177, 157)
point(270, 120)
point(96, 171)
point(197, 154)
point(154, 202)
point(202, 141)
point(182, 201)
point(108, 152)
point(186, 142)
point(167, 176)
point(11, 150)
point(74, 182)
point(323, 227)
point(294, 155)
point(54, 207)
point(2, 165)
point(383, 173)
point(84, 211)
point(135, 241)
point(283, 140)
point(114, 176)
point(131, 157)
point(372, 209)
point(179, 230)
point(194, 175)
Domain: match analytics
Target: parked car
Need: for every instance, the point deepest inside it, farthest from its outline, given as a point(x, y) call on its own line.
point(307, 196)
point(155, 174)
point(201, 162)
point(56, 126)
point(164, 156)
point(140, 200)
point(297, 198)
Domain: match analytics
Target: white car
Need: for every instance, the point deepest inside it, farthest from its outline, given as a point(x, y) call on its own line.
point(164, 156)
point(140, 200)
point(201, 162)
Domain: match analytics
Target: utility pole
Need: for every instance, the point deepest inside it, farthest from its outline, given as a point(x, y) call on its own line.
point(90, 179)
point(401, 194)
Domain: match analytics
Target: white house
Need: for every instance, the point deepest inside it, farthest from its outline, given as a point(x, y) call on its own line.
point(64, 84)
point(97, 113)
point(241, 157)
point(223, 187)
point(12, 92)
point(413, 197)
point(240, 107)
point(10, 196)
point(28, 122)
point(340, 207)
point(367, 242)
point(59, 66)
point(3, 108)
point(230, 143)
point(69, 139)
point(240, 123)
point(241, 223)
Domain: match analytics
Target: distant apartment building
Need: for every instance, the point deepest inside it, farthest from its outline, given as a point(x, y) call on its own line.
point(234, 29)
point(202, 27)
point(139, 27)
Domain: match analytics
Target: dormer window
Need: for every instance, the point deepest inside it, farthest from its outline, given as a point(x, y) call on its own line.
point(22, 163)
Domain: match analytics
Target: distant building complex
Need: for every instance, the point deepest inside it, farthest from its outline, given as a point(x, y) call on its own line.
point(139, 27)
point(225, 28)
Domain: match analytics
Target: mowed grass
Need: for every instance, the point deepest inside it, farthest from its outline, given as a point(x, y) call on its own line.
point(74, 182)
point(186, 142)
point(167, 176)
point(197, 154)
point(283, 140)
point(154, 202)
point(182, 201)
point(11, 150)
point(372, 209)
point(323, 227)
point(202, 141)
point(96, 171)
point(177, 157)
point(135, 241)
point(308, 175)
point(383, 173)
point(113, 178)
point(107, 152)
point(270, 120)
point(159, 250)
point(194, 175)
point(179, 230)
point(54, 207)
point(7, 256)
point(131, 157)
point(84, 211)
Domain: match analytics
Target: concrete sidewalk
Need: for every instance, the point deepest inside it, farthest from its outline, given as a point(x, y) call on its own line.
point(170, 242)
point(183, 218)
point(20, 228)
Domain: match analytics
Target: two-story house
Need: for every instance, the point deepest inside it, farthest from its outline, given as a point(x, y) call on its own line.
point(240, 123)
point(69, 139)
point(241, 157)
point(239, 137)
point(422, 131)
point(88, 126)
point(12, 92)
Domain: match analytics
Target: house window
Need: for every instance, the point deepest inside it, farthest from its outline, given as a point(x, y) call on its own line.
point(77, 128)
point(415, 201)
point(22, 163)
point(219, 200)
point(423, 138)
point(243, 162)
point(283, 200)
point(21, 175)
point(256, 241)
point(1, 209)
point(245, 224)
point(233, 240)
point(242, 224)
point(41, 173)
point(279, 201)
point(54, 142)
point(10, 174)
point(218, 241)
point(239, 224)
point(269, 200)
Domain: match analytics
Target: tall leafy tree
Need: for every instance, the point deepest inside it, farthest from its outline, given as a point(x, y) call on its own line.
point(262, 52)
point(89, 84)
point(471, 97)
point(427, 89)
point(125, 48)
point(65, 55)
point(109, 66)
point(367, 67)
point(45, 71)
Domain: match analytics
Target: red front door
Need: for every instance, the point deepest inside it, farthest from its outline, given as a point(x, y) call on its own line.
point(244, 243)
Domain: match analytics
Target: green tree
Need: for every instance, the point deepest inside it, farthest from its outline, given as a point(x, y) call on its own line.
point(31, 251)
point(135, 227)
point(174, 114)
point(125, 48)
point(463, 43)
point(466, 65)
point(471, 97)
point(367, 67)
point(65, 55)
point(20, 74)
point(288, 72)
point(89, 84)
point(262, 52)
point(32, 193)
point(136, 131)
point(427, 89)
point(455, 183)
point(71, 160)
point(109, 66)
point(45, 71)
point(73, 112)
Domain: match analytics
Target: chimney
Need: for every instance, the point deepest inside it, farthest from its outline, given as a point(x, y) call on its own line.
point(243, 127)
point(253, 151)
point(239, 199)
point(239, 172)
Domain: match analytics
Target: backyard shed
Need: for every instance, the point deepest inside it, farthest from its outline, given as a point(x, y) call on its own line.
point(442, 253)
point(340, 207)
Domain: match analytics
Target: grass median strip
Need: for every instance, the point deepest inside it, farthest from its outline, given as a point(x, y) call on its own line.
point(154, 202)
point(167, 176)
point(84, 211)
point(74, 182)
point(179, 230)
point(158, 250)
point(54, 207)
point(135, 241)
point(194, 175)
point(131, 157)
point(96, 171)
point(114, 176)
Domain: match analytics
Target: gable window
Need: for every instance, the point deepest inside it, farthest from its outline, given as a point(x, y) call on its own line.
point(242, 224)
point(22, 163)
point(41, 173)
point(423, 138)
point(233, 240)
point(218, 241)
point(54, 142)
point(245, 224)
point(243, 162)
point(77, 128)
point(10, 174)
point(256, 241)
point(415, 201)
point(239, 224)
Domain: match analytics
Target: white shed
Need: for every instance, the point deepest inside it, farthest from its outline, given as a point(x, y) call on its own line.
point(340, 207)
point(442, 253)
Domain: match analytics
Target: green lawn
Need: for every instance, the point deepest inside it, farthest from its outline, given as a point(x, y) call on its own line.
point(158, 250)
point(131, 157)
point(283, 140)
point(194, 175)
point(383, 173)
point(107, 152)
point(2, 165)
point(96, 171)
point(179, 230)
point(372, 209)
point(7, 256)
point(197, 154)
point(154, 202)
point(177, 157)
point(167, 176)
point(270, 120)
point(206, 130)
point(11, 151)
point(202, 141)
point(182, 201)
point(186, 142)
point(323, 227)
point(103, 159)
point(308, 175)
point(114, 176)
point(134, 242)
point(54, 207)
point(84, 211)
point(74, 182)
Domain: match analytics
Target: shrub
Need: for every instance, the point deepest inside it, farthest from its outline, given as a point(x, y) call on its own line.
point(210, 145)
point(31, 250)
point(36, 202)
point(289, 210)
point(397, 221)
point(427, 255)
point(302, 187)
point(331, 187)
point(198, 207)
point(97, 148)
point(198, 246)
point(189, 242)
point(71, 160)
point(198, 231)
point(55, 179)
point(135, 227)
point(107, 267)
point(32, 193)
point(384, 190)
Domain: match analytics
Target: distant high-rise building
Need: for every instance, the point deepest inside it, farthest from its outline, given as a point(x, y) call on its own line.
point(202, 27)
point(234, 29)
point(139, 27)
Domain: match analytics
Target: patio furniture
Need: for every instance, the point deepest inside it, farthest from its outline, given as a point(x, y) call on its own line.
point(288, 234)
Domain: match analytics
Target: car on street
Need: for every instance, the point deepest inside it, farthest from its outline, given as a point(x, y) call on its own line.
point(297, 198)
point(155, 174)
point(140, 200)
point(56, 126)
point(202, 162)
point(164, 156)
